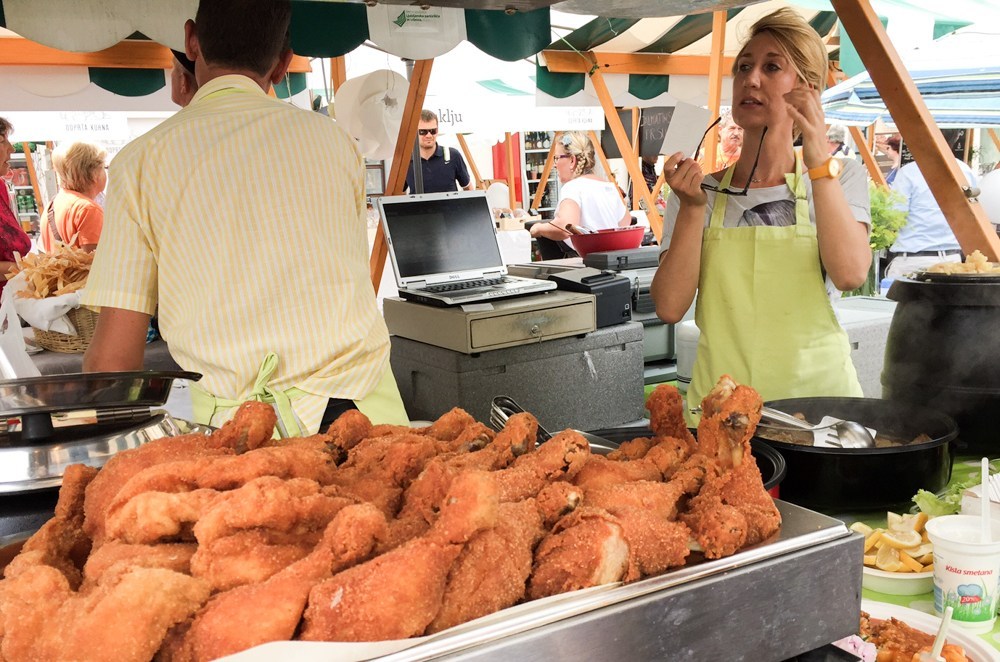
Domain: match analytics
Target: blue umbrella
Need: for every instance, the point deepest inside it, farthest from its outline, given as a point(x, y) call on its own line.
point(957, 93)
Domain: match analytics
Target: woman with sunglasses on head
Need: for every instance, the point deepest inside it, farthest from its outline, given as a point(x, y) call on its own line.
point(586, 201)
point(768, 241)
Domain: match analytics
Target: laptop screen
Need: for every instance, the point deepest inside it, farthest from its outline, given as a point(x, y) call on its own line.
point(441, 233)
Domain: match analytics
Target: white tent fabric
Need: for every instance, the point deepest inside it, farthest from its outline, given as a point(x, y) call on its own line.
point(416, 33)
point(370, 108)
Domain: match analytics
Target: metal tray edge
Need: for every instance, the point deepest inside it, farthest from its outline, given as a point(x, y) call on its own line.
point(497, 626)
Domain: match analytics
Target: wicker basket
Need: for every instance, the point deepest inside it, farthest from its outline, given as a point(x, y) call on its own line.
point(84, 320)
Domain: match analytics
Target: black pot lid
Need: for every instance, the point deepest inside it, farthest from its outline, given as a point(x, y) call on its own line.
point(91, 390)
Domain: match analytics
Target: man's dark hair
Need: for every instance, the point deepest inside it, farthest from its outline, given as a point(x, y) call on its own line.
point(428, 116)
point(243, 34)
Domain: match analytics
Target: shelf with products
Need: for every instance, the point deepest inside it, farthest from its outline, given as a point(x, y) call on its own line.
point(23, 188)
point(537, 146)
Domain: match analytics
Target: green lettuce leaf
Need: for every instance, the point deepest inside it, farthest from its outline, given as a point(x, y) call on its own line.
point(948, 503)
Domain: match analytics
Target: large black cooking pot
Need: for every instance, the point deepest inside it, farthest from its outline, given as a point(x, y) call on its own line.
point(848, 479)
point(769, 461)
point(943, 351)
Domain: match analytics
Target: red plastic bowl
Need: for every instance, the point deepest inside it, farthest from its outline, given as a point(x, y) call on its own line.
point(610, 239)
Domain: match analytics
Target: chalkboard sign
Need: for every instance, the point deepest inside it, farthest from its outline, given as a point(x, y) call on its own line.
point(956, 139)
point(653, 123)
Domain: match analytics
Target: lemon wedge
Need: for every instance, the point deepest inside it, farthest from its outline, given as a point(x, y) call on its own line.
point(888, 559)
point(901, 539)
point(862, 528)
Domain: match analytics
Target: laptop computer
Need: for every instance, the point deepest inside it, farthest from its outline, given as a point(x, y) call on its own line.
point(445, 252)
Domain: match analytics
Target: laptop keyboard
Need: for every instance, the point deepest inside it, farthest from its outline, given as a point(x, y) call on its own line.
point(465, 285)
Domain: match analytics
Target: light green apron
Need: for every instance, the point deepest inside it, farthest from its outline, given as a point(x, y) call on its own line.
point(382, 405)
point(763, 311)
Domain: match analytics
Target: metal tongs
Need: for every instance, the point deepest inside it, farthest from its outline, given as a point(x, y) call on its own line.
point(503, 407)
point(834, 432)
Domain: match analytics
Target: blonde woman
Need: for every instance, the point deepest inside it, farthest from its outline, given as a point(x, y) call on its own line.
point(585, 200)
point(766, 242)
point(73, 218)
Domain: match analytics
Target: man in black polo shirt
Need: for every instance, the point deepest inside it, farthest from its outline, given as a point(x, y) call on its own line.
point(442, 166)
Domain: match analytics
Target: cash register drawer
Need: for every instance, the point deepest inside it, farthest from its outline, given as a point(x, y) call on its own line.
point(516, 328)
point(500, 324)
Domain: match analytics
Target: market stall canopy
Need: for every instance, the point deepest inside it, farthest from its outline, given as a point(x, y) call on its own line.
point(958, 93)
point(319, 28)
point(650, 39)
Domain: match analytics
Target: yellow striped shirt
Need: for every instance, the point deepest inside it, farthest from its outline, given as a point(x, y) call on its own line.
point(241, 222)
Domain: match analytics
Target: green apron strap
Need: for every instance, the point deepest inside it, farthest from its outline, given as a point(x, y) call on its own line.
point(206, 406)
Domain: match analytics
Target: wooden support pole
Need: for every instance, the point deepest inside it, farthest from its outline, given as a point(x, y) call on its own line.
point(916, 125)
point(543, 182)
point(599, 151)
point(866, 155)
point(401, 158)
point(511, 193)
point(637, 146)
point(715, 74)
point(468, 158)
point(628, 154)
point(338, 72)
point(571, 62)
point(994, 137)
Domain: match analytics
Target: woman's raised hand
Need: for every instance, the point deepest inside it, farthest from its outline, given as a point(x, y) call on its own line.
point(684, 176)
point(806, 109)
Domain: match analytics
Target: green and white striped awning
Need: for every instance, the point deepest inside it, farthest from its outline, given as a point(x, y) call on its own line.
point(682, 35)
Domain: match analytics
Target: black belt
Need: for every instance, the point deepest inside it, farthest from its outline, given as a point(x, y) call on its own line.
point(952, 251)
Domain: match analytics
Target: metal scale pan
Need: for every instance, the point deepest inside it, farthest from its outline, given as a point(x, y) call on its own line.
point(78, 419)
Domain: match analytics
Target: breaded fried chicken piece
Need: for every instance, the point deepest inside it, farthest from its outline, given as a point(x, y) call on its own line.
point(119, 556)
point(422, 499)
point(227, 472)
point(61, 542)
point(586, 548)
point(666, 413)
point(492, 571)
point(732, 509)
point(350, 428)
point(249, 428)
point(255, 614)
point(450, 427)
point(409, 581)
point(379, 469)
point(248, 557)
point(125, 617)
point(150, 517)
point(600, 472)
point(560, 458)
point(295, 506)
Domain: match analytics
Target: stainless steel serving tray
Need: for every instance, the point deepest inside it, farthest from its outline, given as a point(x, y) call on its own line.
point(803, 536)
point(93, 390)
point(25, 468)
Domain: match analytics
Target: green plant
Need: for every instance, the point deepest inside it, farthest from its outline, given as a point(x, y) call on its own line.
point(887, 220)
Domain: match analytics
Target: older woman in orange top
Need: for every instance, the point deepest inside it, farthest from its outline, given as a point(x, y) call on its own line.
point(73, 218)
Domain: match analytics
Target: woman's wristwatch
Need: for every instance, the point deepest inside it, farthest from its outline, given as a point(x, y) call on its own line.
point(830, 169)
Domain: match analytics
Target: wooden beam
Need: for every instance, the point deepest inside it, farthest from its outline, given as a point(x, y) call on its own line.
point(338, 72)
point(401, 158)
point(715, 75)
point(33, 178)
point(994, 137)
point(511, 193)
point(543, 182)
point(468, 157)
point(866, 155)
point(123, 55)
point(571, 62)
point(602, 157)
point(946, 181)
point(629, 154)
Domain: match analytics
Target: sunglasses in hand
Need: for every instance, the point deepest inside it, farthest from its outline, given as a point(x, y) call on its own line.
point(727, 190)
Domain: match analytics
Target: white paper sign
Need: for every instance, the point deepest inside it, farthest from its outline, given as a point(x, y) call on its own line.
point(687, 125)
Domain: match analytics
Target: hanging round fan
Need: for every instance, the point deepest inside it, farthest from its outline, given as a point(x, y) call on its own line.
point(370, 108)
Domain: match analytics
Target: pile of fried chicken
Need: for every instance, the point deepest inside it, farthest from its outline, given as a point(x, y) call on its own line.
point(196, 547)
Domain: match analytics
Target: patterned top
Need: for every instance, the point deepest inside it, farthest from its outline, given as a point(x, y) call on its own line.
point(12, 238)
point(244, 220)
